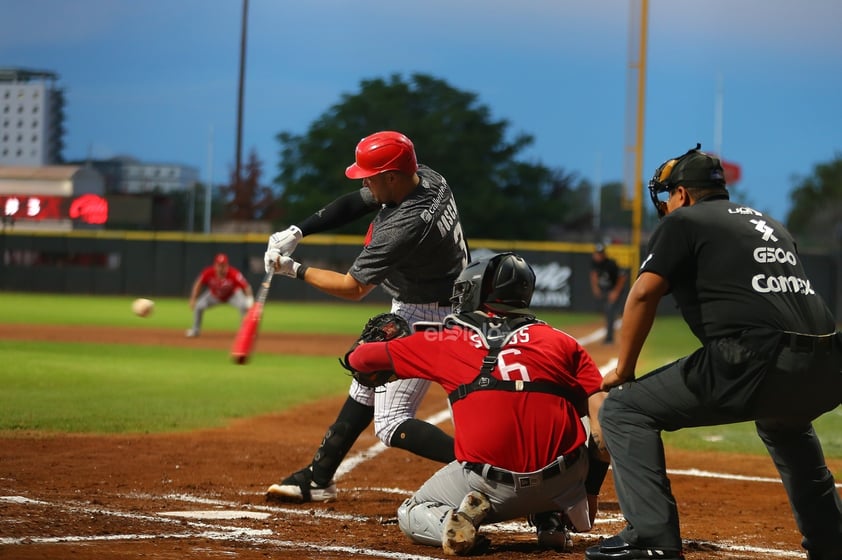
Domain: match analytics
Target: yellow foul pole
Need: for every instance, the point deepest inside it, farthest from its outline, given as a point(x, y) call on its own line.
point(637, 212)
point(637, 207)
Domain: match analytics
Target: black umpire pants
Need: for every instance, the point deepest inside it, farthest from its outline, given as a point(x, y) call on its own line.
point(727, 381)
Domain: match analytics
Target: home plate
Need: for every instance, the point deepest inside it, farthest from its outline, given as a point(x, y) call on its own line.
point(216, 514)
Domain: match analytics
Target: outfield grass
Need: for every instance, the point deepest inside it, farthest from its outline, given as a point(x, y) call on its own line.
point(279, 316)
point(120, 388)
point(114, 388)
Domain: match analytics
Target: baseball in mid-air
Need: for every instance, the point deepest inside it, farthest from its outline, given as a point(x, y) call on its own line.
point(143, 307)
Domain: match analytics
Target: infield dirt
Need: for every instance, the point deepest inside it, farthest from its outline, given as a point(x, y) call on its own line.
point(83, 496)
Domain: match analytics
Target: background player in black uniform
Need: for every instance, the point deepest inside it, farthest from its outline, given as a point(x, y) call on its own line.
point(770, 353)
point(607, 283)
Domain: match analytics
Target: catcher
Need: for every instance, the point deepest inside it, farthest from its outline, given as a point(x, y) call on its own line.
point(529, 458)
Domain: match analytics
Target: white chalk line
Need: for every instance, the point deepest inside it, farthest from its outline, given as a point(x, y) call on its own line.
point(259, 536)
point(213, 532)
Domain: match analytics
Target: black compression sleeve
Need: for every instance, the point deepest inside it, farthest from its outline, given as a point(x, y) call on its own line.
point(597, 470)
point(341, 211)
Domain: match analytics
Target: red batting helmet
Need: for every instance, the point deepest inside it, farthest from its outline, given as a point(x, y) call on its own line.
point(383, 151)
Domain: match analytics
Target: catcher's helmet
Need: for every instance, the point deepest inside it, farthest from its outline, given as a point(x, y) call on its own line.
point(383, 151)
point(693, 169)
point(503, 283)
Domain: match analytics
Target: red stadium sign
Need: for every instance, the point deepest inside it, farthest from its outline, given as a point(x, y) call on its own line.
point(88, 208)
point(732, 172)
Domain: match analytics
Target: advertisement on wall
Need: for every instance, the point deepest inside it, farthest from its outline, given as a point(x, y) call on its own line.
point(552, 281)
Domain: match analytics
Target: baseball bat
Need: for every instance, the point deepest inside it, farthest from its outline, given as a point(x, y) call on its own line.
point(244, 341)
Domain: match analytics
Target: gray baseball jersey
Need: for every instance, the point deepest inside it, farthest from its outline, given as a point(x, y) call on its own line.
point(414, 250)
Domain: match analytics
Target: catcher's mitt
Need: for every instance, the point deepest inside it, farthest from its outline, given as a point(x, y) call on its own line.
point(379, 328)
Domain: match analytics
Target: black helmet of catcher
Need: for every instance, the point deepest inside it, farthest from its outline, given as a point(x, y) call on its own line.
point(503, 283)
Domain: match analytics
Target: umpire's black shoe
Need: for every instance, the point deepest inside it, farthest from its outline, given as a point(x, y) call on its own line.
point(615, 548)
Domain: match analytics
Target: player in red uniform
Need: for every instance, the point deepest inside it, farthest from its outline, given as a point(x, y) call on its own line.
point(518, 388)
point(225, 284)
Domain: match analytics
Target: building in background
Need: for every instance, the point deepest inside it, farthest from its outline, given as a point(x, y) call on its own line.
point(31, 118)
point(39, 190)
point(127, 175)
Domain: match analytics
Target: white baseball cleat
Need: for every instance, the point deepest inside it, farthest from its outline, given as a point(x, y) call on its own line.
point(299, 488)
point(191, 333)
point(459, 533)
point(297, 494)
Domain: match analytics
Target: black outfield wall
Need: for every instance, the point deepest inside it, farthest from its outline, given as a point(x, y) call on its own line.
point(166, 264)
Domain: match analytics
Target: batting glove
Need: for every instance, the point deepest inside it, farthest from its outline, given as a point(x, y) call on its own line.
point(287, 267)
point(270, 260)
point(285, 241)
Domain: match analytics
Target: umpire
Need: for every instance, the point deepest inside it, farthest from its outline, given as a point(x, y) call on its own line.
point(770, 353)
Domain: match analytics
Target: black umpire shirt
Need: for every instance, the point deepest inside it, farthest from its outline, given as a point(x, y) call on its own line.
point(732, 269)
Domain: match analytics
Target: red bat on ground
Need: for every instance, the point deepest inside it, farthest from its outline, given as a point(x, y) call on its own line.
point(244, 341)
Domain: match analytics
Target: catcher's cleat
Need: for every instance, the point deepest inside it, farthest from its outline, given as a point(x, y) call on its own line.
point(299, 488)
point(459, 533)
point(616, 548)
point(553, 531)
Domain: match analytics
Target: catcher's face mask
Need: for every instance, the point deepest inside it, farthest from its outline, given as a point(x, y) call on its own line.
point(467, 288)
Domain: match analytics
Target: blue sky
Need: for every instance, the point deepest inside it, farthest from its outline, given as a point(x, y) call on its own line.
point(157, 79)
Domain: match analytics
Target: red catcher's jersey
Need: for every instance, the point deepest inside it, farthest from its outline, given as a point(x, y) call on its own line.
point(517, 431)
point(223, 287)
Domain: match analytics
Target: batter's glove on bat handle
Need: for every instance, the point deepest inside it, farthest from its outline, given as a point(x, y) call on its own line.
point(285, 241)
point(380, 328)
point(270, 260)
point(285, 266)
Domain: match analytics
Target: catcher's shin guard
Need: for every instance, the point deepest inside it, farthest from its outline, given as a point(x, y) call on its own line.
point(425, 440)
point(352, 420)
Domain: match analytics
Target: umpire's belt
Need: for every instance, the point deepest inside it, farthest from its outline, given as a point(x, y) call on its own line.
point(798, 343)
point(525, 480)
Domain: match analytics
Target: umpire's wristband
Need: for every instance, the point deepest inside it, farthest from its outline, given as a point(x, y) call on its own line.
point(301, 270)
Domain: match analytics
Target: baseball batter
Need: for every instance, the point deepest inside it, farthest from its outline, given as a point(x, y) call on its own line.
point(225, 284)
point(414, 249)
point(769, 353)
point(518, 388)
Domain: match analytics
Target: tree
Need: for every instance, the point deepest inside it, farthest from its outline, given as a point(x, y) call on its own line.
point(816, 214)
point(499, 196)
point(245, 199)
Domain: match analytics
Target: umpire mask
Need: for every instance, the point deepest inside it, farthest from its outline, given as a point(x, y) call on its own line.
point(693, 169)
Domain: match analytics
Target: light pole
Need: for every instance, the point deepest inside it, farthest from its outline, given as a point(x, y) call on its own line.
point(209, 186)
point(238, 155)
